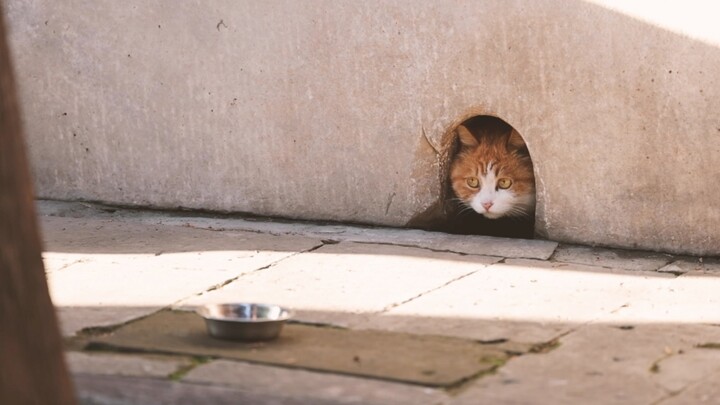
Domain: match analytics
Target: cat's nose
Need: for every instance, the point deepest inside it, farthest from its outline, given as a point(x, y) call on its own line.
point(487, 205)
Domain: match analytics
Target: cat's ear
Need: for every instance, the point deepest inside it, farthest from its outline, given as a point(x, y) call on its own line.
point(515, 141)
point(466, 138)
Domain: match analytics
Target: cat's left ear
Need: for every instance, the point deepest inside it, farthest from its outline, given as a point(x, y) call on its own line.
point(515, 141)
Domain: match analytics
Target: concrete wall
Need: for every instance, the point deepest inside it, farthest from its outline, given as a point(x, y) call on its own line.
point(338, 109)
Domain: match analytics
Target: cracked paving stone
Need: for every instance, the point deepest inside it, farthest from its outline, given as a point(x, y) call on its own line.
point(706, 391)
point(684, 367)
point(465, 244)
point(522, 300)
point(597, 364)
point(611, 258)
point(342, 282)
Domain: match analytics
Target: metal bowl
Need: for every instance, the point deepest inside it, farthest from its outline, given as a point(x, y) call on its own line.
point(244, 321)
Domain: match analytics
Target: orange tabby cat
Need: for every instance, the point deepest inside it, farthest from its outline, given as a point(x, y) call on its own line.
point(492, 173)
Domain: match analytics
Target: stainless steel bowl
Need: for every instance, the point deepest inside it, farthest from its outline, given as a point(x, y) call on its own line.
point(244, 321)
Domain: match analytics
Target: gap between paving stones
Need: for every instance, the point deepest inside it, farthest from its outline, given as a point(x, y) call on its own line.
point(65, 266)
point(230, 280)
point(93, 331)
point(456, 279)
point(702, 381)
point(536, 349)
point(183, 370)
point(463, 244)
point(655, 366)
point(420, 247)
point(673, 394)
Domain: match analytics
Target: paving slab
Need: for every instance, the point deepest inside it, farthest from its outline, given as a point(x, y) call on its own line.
point(134, 282)
point(73, 320)
point(690, 298)
point(55, 261)
point(425, 360)
point(107, 271)
point(597, 364)
point(611, 258)
point(133, 236)
point(311, 387)
point(349, 279)
point(106, 292)
point(685, 367)
point(119, 390)
point(630, 330)
point(467, 244)
point(706, 391)
point(520, 300)
point(711, 266)
point(124, 364)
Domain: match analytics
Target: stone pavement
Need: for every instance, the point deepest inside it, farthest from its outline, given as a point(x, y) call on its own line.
point(579, 324)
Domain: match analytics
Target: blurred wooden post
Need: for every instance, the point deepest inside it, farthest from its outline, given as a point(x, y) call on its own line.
point(32, 369)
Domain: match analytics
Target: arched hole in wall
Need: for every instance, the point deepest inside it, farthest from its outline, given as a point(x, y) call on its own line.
point(488, 183)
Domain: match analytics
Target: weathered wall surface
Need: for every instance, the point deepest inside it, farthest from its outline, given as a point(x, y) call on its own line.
point(317, 109)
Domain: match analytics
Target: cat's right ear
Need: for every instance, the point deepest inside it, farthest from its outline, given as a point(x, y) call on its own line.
point(515, 141)
point(466, 138)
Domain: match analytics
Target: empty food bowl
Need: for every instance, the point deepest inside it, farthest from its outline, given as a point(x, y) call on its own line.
point(244, 321)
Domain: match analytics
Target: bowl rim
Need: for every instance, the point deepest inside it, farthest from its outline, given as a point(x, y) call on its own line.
point(285, 313)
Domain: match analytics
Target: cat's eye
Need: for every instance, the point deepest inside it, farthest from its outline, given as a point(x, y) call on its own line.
point(472, 182)
point(504, 183)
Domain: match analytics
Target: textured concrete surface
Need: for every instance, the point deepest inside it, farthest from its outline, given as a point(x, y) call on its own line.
point(601, 365)
point(613, 259)
point(555, 295)
point(705, 391)
point(679, 300)
point(339, 279)
point(574, 333)
point(100, 389)
point(434, 361)
point(437, 241)
point(342, 111)
point(696, 266)
point(124, 364)
point(672, 374)
point(104, 272)
point(311, 387)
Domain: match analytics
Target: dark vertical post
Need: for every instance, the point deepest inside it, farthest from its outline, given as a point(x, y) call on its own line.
point(32, 369)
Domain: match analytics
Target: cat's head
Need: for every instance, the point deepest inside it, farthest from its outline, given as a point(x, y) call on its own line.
point(493, 174)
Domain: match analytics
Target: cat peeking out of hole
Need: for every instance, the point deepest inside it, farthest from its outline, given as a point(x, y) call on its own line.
point(492, 178)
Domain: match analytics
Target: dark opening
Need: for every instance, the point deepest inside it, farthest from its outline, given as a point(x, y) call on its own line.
point(489, 162)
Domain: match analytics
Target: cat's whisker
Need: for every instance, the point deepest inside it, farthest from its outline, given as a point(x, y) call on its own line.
point(465, 209)
point(519, 212)
point(458, 201)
